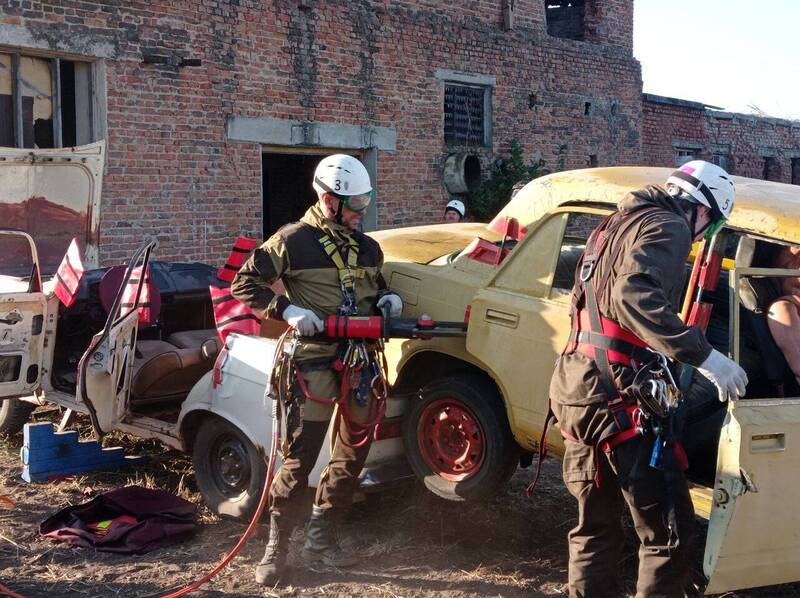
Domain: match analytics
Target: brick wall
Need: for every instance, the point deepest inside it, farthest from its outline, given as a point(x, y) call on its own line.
point(172, 172)
point(746, 140)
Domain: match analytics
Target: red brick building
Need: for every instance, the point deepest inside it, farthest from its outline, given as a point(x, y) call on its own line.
point(215, 111)
point(674, 131)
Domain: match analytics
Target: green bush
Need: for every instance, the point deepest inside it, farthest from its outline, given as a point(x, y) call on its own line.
point(504, 173)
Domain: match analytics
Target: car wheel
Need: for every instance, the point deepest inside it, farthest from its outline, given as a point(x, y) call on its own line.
point(458, 440)
point(229, 470)
point(14, 415)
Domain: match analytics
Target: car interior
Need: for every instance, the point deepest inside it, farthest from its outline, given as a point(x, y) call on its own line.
point(173, 350)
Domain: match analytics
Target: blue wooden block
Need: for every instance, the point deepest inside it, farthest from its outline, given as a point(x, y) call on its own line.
point(47, 475)
point(46, 454)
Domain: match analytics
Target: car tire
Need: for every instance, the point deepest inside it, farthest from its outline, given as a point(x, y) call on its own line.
point(228, 468)
point(457, 438)
point(14, 414)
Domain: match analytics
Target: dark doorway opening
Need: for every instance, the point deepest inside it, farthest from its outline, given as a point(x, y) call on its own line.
point(287, 188)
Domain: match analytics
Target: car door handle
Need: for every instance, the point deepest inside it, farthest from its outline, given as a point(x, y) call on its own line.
point(502, 318)
point(11, 318)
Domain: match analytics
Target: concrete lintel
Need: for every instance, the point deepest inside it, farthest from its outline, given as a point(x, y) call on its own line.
point(76, 45)
point(276, 131)
point(461, 77)
point(687, 144)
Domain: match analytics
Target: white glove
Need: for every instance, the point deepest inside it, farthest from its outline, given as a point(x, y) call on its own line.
point(303, 320)
point(725, 374)
point(394, 302)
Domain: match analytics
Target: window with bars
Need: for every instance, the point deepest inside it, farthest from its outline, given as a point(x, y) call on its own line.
point(45, 102)
point(465, 109)
point(722, 159)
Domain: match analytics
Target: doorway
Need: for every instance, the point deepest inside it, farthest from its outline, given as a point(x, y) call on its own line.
point(287, 190)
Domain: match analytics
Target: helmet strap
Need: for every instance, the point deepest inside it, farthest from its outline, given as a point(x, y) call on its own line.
point(338, 217)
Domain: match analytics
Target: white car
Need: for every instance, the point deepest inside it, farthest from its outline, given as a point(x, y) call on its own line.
point(170, 378)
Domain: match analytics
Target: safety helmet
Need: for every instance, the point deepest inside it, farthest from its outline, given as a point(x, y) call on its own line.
point(456, 205)
point(708, 185)
point(345, 177)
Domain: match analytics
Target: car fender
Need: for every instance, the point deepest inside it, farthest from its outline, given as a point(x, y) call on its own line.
point(251, 412)
point(449, 348)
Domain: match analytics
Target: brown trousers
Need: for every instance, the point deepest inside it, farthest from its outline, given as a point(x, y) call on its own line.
point(306, 425)
point(595, 543)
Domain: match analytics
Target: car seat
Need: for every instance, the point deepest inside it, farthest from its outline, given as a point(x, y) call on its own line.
point(163, 371)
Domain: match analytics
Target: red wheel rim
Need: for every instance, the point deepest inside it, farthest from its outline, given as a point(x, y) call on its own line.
point(451, 439)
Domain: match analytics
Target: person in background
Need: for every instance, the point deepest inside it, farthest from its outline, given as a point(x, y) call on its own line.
point(454, 211)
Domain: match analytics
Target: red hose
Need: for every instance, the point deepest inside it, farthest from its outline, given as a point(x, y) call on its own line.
point(191, 587)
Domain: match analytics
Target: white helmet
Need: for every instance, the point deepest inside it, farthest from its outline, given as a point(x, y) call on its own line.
point(346, 177)
point(708, 184)
point(456, 205)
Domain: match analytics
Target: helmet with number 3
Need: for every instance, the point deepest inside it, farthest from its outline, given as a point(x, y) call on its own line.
point(344, 176)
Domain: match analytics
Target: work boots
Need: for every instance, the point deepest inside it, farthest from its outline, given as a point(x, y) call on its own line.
point(273, 565)
point(322, 544)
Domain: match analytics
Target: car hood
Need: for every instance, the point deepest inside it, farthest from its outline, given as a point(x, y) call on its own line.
point(53, 195)
point(423, 244)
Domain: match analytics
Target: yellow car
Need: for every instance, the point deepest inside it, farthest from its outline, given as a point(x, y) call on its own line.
point(478, 404)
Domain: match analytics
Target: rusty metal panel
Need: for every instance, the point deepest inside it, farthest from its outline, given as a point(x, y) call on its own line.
point(54, 195)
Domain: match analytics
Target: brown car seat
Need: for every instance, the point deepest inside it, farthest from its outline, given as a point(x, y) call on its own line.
point(163, 371)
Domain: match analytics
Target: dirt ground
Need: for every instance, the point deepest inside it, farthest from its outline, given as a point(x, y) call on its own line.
point(412, 543)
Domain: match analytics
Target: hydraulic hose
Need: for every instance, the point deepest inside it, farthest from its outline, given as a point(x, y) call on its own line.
point(191, 587)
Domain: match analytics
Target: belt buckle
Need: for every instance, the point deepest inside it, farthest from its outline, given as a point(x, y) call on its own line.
point(587, 269)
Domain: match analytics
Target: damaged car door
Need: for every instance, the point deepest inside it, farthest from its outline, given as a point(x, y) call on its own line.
point(105, 370)
point(752, 535)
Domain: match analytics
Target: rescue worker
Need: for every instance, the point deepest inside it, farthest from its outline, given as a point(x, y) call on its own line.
point(454, 211)
point(625, 299)
point(328, 267)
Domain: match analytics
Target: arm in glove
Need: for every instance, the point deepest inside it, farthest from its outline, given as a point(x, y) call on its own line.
point(725, 374)
point(303, 320)
point(394, 302)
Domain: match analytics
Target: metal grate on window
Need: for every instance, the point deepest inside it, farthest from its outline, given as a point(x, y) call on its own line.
point(463, 115)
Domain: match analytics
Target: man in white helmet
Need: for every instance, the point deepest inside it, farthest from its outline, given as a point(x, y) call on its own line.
point(328, 268)
point(454, 211)
point(625, 301)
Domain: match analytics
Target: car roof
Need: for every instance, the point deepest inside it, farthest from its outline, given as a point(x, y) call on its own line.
point(764, 208)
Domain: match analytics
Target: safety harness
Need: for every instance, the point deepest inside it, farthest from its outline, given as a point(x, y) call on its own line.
point(648, 405)
point(361, 366)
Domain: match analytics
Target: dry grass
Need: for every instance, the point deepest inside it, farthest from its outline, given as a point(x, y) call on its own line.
point(412, 544)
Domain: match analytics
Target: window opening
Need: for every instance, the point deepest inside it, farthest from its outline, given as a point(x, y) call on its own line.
point(44, 102)
point(464, 111)
point(683, 155)
point(722, 160)
point(566, 18)
point(772, 169)
point(579, 226)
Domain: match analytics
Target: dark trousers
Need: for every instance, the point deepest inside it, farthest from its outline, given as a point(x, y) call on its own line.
point(595, 543)
point(306, 427)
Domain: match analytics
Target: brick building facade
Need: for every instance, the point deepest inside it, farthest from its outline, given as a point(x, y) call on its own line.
point(674, 131)
point(403, 84)
point(216, 111)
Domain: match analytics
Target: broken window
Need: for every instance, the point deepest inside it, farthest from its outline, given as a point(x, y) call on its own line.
point(795, 171)
point(565, 18)
point(772, 169)
point(684, 155)
point(44, 102)
point(464, 114)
